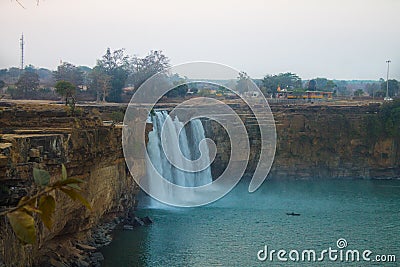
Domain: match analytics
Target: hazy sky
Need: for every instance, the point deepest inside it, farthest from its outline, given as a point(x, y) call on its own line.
point(342, 39)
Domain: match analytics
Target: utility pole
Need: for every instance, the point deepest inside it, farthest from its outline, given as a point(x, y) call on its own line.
point(22, 51)
point(387, 81)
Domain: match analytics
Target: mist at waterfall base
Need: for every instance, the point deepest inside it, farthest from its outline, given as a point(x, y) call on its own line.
point(231, 231)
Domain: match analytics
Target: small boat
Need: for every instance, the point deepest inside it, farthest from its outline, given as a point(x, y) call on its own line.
point(293, 214)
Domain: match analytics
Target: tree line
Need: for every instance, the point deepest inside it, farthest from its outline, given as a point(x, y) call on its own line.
point(114, 71)
point(270, 85)
point(117, 75)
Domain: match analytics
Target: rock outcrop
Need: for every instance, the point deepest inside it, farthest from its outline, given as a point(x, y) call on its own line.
point(45, 137)
point(318, 141)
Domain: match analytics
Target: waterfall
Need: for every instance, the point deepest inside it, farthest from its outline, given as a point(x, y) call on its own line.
point(188, 143)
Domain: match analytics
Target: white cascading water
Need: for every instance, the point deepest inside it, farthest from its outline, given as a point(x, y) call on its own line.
point(189, 140)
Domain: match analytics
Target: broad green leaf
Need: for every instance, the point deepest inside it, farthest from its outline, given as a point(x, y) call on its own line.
point(63, 172)
point(41, 177)
point(23, 225)
point(47, 206)
point(74, 195)
point(68, 182)
point(24, 199)
point(28, 205)
point(69, 192)
point(75, 186)
point(30, 208)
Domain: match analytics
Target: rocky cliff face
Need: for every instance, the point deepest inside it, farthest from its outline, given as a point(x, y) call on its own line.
point(313, 141)
point(45, 137)
point(318, 141)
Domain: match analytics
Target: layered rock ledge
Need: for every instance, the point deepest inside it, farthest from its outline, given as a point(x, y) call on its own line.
point(45, 137)
point(318, 141)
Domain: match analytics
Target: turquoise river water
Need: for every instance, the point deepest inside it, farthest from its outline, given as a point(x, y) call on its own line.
point(242, 228)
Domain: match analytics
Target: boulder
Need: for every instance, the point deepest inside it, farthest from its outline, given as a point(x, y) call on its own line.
point(96, 257)
point(137, 221)
point(127, 227)
point(147, 220)
point(85, 247)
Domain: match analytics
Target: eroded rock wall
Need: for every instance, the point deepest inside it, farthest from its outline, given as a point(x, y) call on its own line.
point(318, 141)
point(89, 150)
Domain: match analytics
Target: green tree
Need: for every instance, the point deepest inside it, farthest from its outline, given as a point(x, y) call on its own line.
point(342, 89)
point(11, 75)
point(180, 85)
point(30, 68)
point(358, 92)
point(27, 82)
point(283, 80)
point(372, 88)
point(289, 80)
point(3, 72)
point(67, 90)
point(323, 84)
point(380, 93)
point(100, 83)
point(386, 123)
point(330, 85)
point(243, 83)
point(312, 85)
point(85, 75)
point(393, 87)
point(270, 84)
point(2, 84)
point(144, 68)
point(116, 65)
point(70, 73)
point(46, 77)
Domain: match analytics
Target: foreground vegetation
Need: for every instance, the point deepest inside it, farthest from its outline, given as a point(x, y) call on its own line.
point(387, 123)
point(42, 203)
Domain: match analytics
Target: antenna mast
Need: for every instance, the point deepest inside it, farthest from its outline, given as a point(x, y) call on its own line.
point(22, 50)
